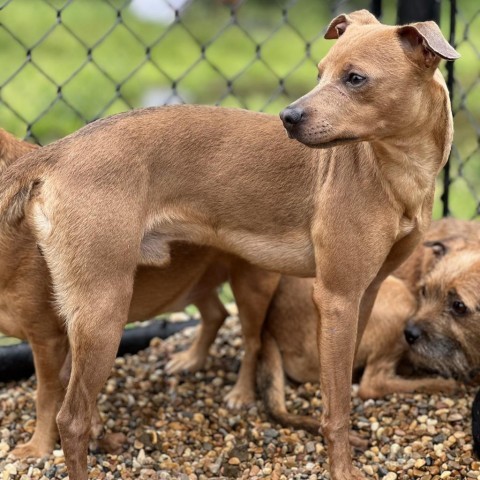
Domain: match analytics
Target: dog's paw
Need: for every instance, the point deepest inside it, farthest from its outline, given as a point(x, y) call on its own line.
point(239, 397)
point(185, 361)
point(31, 450)
point(113, 443)
point(357, 442)
point(343, 473)
point(449, 386)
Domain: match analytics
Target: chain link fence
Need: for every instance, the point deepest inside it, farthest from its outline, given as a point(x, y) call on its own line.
point(68, 62)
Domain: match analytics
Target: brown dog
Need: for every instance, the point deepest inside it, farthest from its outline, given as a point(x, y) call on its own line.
point(288, 345)
point(27, 312)
point(115, 194)
point(444, 333)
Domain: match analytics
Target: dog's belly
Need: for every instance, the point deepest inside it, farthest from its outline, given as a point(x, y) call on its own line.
point(286, 253)
point(9, 324)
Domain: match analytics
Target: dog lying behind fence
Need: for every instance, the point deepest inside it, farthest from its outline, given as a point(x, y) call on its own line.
point(346, 203)
point(27, 312)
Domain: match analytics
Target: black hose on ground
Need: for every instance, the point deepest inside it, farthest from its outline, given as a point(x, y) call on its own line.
point(16, 361)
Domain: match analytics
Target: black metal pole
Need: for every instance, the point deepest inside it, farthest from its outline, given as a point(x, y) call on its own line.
point(376, 8)
point(450, 84)
point(409, 11)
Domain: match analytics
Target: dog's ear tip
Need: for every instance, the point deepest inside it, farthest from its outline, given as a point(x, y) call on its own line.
point(339, 24)
point(454, 56)
point(431, 36)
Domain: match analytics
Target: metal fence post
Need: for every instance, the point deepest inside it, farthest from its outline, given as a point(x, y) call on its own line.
point(409, 11)
point(450, 85)
point(419, 11)
point(376, 8)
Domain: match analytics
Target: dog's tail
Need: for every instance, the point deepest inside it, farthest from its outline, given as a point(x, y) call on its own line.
point(271, 385)
point(18, 178)
point(12, 148)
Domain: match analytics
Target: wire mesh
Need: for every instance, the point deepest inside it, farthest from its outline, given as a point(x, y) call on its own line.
point(463, 175)
point(68, 62)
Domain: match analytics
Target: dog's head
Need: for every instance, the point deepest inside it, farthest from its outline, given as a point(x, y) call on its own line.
point(444, 333)
point(371, 84)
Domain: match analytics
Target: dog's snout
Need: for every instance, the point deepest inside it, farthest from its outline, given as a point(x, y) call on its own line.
point(412, 333)
point(292, 116)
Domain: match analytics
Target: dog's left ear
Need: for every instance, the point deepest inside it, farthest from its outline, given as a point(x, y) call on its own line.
point(339, 24)
point(427, 41)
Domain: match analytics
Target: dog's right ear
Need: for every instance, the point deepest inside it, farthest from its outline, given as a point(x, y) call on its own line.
point(427, 40)
point(439, 248)
point(339, 24)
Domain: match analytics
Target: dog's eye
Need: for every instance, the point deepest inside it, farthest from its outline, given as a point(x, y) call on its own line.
point(459, 308)
point(319, 76)
point(423, 291)
point(355, 80)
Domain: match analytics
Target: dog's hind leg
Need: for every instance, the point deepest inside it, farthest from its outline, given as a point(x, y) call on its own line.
point(253, 289)
point(49, 352)
point(95, 330)
point(106, 443)
point(93, 275)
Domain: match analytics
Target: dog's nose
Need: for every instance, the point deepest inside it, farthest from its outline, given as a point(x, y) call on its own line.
point(412, 333)
point(292, 116)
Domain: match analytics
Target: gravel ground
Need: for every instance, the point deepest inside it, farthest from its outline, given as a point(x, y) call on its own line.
point(178, 427)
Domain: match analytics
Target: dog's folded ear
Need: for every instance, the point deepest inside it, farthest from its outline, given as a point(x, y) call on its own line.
point(427, 38)
point(439, 248)
point(339, 24)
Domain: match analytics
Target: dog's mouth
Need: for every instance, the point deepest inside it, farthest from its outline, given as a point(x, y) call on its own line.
point(333, 143)
point(433, 362)
point(295, 135)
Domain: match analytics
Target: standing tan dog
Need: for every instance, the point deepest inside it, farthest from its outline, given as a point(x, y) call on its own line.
point(289, 348)
point(115, 194)
point(193, 275)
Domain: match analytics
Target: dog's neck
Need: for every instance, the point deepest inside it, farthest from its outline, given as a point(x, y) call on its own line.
point(407, 171)
point(409, 163)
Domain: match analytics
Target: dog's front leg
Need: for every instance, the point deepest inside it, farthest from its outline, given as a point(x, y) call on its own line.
point(337, 335)
point(213, 314)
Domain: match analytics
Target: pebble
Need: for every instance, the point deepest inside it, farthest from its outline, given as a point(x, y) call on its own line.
point(179, 427)
point(390, 476)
